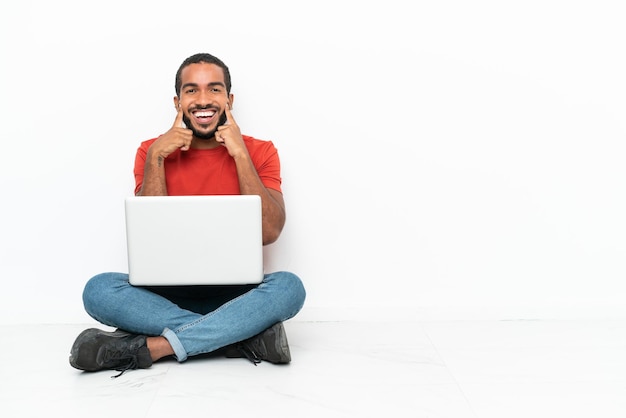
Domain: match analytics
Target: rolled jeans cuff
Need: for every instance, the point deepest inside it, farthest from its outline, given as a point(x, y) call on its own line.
point(179, 350)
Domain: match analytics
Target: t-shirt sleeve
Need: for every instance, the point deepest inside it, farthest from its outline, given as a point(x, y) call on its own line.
point(140, 162)
point(267, 164)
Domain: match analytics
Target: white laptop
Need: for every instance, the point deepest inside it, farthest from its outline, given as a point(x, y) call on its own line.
point(194, 240)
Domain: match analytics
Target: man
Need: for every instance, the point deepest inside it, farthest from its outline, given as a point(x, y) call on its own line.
point(203, 153)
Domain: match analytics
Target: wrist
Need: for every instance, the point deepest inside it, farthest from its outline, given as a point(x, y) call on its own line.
point(242, 157)
point(154, 158)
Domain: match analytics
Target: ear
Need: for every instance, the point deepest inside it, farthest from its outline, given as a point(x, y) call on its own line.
point(231, 100)
point(176, 103)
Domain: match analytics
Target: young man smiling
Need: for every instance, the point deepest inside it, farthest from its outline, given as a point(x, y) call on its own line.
point(203, 153)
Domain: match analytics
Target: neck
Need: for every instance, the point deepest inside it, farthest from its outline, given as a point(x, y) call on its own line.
point(198, 143)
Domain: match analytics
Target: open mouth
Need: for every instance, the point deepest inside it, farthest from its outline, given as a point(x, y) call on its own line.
point(204, 116)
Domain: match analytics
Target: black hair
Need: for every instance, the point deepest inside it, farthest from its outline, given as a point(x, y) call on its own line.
point(206, 58)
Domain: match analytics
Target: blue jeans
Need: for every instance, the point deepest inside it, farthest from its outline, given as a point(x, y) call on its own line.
point(194, 319)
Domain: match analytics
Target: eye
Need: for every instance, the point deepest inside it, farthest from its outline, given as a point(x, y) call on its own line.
point(190, 91)
point(216, 90)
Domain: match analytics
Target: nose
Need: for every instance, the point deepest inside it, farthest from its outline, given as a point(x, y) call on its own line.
point(204, 98)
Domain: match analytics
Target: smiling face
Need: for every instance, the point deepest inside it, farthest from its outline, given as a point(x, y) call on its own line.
point(203, 98)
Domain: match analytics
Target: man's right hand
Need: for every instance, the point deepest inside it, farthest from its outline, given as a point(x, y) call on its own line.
point(177, 137)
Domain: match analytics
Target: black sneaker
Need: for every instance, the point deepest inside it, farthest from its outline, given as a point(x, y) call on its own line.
point(270, 345)
point(95, 349)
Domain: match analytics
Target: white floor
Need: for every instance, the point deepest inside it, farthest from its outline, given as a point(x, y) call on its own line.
point(457, 369)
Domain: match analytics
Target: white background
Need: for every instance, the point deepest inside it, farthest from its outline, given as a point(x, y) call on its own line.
point(444, 159)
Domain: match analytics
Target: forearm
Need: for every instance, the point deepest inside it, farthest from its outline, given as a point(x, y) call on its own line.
point(272, 204)
point(154, 177)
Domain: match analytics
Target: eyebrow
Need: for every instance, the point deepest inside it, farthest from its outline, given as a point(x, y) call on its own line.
point(213, 84)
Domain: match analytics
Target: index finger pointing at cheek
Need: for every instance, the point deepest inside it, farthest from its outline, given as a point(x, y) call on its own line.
point(178, 122)
point(229, 115)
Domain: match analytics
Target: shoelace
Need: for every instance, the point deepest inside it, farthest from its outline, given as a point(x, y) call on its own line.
point(115, 356)
point(249, 353)
point(131, 365)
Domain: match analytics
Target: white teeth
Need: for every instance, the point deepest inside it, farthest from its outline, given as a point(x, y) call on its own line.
point(204, 114)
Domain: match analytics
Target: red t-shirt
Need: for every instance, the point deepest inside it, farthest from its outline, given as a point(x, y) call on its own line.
point(211, 171)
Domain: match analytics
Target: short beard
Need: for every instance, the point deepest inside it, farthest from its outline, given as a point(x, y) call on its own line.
point(208, 135)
